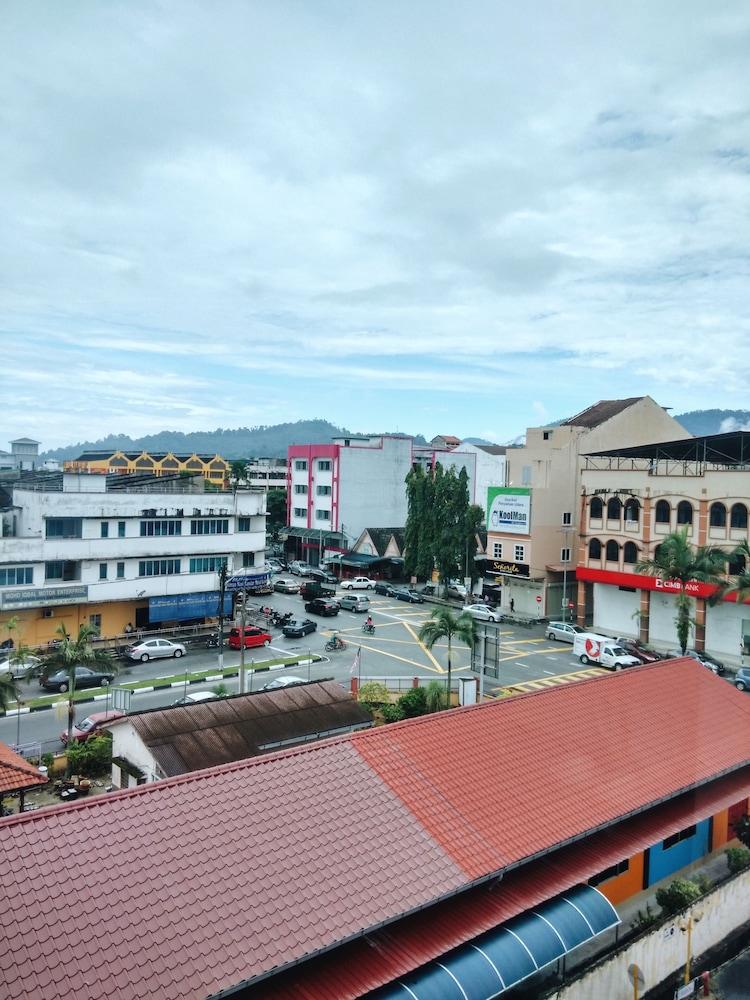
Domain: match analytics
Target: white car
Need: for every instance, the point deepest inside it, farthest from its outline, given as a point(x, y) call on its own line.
point(565, 631)
point(299, 568)
point(358, 583)
point(154, 649)
point(195, 697)
point(19, 668)
point(283, 682)
point(484, 612)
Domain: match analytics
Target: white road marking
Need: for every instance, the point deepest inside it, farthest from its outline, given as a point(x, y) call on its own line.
point(550, 672)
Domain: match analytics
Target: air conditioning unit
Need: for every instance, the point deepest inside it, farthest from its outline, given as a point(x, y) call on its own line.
point(48, 613)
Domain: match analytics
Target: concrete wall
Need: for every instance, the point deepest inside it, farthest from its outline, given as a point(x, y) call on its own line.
point(372, 489)
point(614, 609)
point(127, 743)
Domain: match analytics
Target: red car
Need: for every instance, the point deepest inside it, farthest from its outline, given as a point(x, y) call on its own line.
point(253, 637)
point(90, 726)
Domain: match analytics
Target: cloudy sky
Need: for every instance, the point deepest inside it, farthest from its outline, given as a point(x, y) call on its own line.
point(429, 217)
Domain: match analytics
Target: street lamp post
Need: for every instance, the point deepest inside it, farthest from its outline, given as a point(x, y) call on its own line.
point(686, 926)
point(222, 588)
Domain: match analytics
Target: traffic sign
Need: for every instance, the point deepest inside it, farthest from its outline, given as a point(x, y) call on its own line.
point(538, 598)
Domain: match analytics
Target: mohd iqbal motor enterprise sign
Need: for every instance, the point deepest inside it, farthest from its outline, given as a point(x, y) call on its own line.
point(509, 510)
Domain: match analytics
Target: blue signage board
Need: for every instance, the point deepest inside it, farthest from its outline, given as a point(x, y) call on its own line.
point(178, 607)
point(248, 581)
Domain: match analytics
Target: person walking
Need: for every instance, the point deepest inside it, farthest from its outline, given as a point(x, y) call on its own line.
point(512, 605)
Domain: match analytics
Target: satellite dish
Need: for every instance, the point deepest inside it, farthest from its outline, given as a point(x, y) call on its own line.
point(636, 976)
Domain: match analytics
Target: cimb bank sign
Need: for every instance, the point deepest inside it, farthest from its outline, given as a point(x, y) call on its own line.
point(509, 510)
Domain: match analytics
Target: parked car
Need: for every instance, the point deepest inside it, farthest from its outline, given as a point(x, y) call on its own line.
point(484, 612)
point(286, 586)
point(600, 650)
point(299, 567)
point(274, 565)
point(708, 661)
point(323, 575)
point(154, 649)
point(282, 682)
point(18, 669)
point(407, 594)
point(89, 726)
point(381, 587)
point(564, 631)
point(85, 678)
point(323, 607)
point(637, 649)
point(742, 679)
point(354, 602)
point(298, 627)
point(428, 589)
point(358, 583)
point(253, 637)
point(456, 590)
point(195, 697)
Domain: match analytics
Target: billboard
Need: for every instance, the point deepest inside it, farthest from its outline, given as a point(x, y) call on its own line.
point(179, 607)
point(509, 510)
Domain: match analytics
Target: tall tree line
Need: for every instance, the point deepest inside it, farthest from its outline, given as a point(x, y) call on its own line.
point(441, 524)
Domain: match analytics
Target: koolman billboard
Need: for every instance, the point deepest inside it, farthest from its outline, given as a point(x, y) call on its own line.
point(509, 509)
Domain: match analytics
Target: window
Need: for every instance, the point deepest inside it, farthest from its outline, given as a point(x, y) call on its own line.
point(526, 475)
point(612, 872)
point(632, 510)
point(630, 552)
point(161, 528)
point(300, 511)
point(595, 549)
point(596, 508)
point(567, 518)
point(497, 550)
point(546, 435)
point(324, 465)
point(121, 571)
point(612, 552)
point(564, 555)
point(210, 526)
point(614, 509)
point(684, 512)
point(120, 529)
point(323, 515)
point(207, 564)
point(158, 567)
point(300, 465)
point(663, 512)
point(677, 838)
point(323, 491)
point(102, 571)
point(104, 528)
point(518, 553)
point(95, 621)
point(717, 517)
point(243, 524)
point(62, 570)
point(738, 517)
point(64, 527)
point(248, 559)
point(16, 576)
point(300, 488)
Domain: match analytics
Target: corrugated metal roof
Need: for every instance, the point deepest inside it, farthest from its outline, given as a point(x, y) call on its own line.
point(597, 414)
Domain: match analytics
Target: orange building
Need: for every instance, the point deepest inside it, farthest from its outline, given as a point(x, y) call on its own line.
point(213, 467)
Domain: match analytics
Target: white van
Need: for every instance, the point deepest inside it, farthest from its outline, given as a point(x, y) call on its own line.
point(602, 651)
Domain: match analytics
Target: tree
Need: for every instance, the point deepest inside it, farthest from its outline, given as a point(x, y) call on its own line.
point(740, 589)
point(237, 471)
point(70, 653)
point(473, 524)
point(435, 694)
point(9, 691)
point(678, 895)
point(446, 624)
point(276, 508)
point(676, 560)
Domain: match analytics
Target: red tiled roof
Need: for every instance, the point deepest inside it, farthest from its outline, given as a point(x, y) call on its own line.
point(16, 773)
point(210, 880)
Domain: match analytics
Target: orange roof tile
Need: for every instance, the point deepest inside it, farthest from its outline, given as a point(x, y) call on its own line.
point(16, 773)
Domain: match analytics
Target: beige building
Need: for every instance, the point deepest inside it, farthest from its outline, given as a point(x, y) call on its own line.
point(631, 498)
point(532, 522)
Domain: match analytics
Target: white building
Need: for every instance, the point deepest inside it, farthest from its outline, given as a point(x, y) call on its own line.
point(109, 551)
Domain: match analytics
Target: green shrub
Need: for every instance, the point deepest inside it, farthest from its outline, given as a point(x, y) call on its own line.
point(738, 859)
point(678, 895)
point(435, 693)
point(374, 692)
point(391, 713)
point(92, 758)
point(413, 703)
point(644, 920)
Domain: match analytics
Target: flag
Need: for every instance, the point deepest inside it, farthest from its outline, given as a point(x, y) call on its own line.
point(357, 658)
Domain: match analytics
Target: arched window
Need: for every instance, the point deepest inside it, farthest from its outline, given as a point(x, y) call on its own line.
point(613, 551)
point(684, 512)
point(738, 517)
point(595, 548)
point(596, 508)
point(718, 515)
point(737, 565)
point(614, 509)
point(663, 512)
point(632, 510)
point(630, 552)
point(657, 550)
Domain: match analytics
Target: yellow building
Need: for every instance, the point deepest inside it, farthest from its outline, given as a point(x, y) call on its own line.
point(213, 467)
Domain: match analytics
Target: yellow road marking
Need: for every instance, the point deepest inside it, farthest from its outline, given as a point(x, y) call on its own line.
point(432, 659)
point(422, 666)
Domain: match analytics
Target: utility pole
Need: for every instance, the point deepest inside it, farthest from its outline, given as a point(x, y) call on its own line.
point(222, 588)
point(243, 615)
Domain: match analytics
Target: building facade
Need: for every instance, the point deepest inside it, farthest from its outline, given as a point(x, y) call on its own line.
point(86, 549)
point(631, 498)
point(213, 468)
point(532, 522)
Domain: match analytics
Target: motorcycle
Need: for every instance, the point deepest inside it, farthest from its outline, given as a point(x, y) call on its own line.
point(212, 641)
point(369, 628)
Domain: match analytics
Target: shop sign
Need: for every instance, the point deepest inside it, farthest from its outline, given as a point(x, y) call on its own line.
point(179, 607)
point(44, 596)
point(503, 568)
point(643, 582)
point(508, 510)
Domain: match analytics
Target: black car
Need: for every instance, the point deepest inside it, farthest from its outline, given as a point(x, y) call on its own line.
point(407, 594)
point(323, 607)
point(323, 576)
point(381, 587)
point(298, 627)
point(85, 678)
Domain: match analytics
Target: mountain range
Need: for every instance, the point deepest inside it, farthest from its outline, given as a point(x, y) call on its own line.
point(272, 441)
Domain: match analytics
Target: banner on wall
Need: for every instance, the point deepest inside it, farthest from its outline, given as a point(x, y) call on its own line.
point(509, 510)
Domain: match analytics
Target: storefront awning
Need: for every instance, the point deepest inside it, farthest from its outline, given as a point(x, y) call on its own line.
point(505, 956)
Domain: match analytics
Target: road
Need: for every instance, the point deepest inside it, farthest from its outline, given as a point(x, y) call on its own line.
point(529, 661)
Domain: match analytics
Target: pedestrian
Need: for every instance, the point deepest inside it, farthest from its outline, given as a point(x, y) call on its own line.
point(512, 605)
point(128, 628)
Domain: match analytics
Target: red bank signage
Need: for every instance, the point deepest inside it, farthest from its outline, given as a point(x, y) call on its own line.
point(642, 582)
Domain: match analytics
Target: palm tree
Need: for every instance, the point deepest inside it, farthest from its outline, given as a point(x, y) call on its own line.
point(9, 691)
point(677, 560)
point(70, 653)
point(740, 590)
point(446, 624)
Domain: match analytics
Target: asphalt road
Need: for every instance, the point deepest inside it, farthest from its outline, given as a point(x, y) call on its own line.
point(394, 651)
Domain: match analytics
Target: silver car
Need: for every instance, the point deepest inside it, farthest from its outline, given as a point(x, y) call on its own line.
point(154, 649)
point(484, 613)
point(18, 669)
point(565, 631)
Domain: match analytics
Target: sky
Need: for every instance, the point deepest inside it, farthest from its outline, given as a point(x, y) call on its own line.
point(431, 217)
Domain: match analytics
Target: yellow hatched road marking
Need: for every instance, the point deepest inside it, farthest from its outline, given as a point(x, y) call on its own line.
point(422, 646)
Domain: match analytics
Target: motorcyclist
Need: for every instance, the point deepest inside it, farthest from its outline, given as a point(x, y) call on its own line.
point(369, 627)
